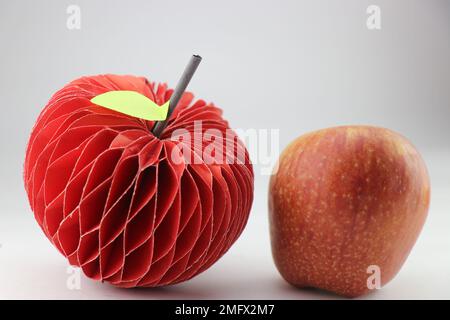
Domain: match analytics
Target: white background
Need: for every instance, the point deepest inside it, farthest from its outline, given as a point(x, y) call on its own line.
point(315, 62)
point(32, 268)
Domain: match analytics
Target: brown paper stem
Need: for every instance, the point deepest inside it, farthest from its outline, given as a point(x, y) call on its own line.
point(178, 92)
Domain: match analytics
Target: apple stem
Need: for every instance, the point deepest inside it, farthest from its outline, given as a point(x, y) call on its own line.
point(178, 93)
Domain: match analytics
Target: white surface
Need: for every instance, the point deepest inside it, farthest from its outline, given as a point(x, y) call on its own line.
point(32, 269)
point(315, 61)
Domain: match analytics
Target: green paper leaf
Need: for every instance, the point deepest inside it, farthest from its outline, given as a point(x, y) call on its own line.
point(133, 104)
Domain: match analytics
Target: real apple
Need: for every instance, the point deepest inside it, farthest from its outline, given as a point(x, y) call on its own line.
point(344, 202)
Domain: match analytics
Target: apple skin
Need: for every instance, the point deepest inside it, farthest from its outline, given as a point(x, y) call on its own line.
point(343, 199)
point(110, 197)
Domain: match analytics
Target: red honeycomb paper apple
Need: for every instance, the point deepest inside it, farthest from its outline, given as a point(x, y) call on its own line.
point(109, 196)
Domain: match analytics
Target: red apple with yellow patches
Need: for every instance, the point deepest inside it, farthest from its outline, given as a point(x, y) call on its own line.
point(344, 199)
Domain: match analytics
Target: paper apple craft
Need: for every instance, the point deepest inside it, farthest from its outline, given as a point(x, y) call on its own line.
point(345, 202)
point(107, 193)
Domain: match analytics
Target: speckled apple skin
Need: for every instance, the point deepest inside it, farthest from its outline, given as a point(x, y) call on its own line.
point(343, 199)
